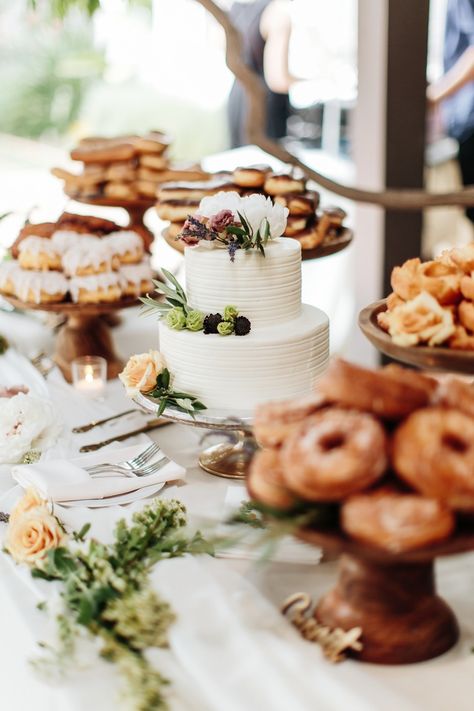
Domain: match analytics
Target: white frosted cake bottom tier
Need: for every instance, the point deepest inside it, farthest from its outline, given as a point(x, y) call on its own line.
point(236, 373)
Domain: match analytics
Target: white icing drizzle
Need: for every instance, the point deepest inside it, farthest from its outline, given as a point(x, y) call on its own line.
point(65, 239)
point(7, 271)
point(136, 273)
point(38, 245)
point(87, 254)
point(124, 241)
point(27, 282)
point(95, 282)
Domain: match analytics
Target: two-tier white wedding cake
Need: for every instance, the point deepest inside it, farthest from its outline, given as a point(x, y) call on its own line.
point(287, 347)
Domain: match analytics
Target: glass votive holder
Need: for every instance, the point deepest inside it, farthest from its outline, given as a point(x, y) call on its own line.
point(89, 376)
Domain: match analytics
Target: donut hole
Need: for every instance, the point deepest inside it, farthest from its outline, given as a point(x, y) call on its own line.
point(454, 442)
point(332, 441)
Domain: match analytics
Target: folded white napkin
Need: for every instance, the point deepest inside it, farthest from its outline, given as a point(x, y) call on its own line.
point(63, 480)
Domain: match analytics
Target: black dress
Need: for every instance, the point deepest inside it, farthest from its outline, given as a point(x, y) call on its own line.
point(246, 18)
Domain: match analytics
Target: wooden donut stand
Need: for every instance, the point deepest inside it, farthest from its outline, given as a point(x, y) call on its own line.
point(83, 333)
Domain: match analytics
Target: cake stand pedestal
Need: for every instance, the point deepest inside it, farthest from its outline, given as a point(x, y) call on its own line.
point(230, 459)
point(83, 333)
point(392, 597)
point(136, 210)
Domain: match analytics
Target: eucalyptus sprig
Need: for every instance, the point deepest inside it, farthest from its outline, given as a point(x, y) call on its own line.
point(175, 297)
point(184, 402)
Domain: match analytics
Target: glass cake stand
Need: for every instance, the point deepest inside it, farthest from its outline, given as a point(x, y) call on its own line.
point(229, 459)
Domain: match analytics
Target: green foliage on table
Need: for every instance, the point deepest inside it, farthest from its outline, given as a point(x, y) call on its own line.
point(106, 590)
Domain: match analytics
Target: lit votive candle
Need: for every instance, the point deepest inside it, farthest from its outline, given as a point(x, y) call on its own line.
point(89, 375)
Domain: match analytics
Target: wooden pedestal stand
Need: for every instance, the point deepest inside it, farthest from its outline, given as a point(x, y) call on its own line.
point(83, 333)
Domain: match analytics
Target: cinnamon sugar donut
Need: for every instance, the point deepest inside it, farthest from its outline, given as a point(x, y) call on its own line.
point(39, 254)
point(396, 521)
point(391, 393)
point(433, 451)
point(274, 421)
point(265, 481)
point(437, 278)
point(333, 454)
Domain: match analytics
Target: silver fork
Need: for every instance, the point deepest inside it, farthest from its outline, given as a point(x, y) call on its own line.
point(135, 463)
point(125, 471)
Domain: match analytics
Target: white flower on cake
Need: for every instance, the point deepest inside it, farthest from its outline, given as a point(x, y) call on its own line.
point(26, 423)
point(232, 222)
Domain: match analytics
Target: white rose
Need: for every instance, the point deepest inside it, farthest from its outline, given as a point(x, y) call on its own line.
point(26, 422)
point(212, 204)
point(141, 372)
point(258, 208)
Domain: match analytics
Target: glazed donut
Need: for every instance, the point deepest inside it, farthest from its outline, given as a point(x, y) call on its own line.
point(433, 451)
point(39, 254)
point(65, 239)
point(295, 224)
point(461, 340)
point(43, 229)
point(252, 177)
point(466, 315)
point(333, 454)
point(437, 278)
point(396, 521)
point(463, 257)
point(7, 277)
point(275, 421)
point(391, 393)
point(457, 394)
point(40, 287)
point(283, 183)
point(300, 204)
point(128, 245)
point(265, 482)
point(96, 288)
point(87, 258)
point(136, 279)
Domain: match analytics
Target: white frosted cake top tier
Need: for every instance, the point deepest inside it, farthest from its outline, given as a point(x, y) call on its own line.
point(265, 289)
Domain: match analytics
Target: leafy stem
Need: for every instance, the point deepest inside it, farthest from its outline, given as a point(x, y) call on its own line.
point(184, 402)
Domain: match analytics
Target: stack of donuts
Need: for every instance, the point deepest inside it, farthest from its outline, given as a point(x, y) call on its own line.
point(54, 262)
point(306, 222)
point(432, 302)
point(124, 168)
point(394, 450)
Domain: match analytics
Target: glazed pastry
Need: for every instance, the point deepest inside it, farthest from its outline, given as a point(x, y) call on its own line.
point(88, 224)
point(40, 287)
point(103, 150)
point(152, 142)
point(466, 315)
point(309, 237)
point(433, 451)
point(122, 171)
point(391, 393)
point(300, 204)
point(463, 257)
point(96, 288)
point(136, 279)
point(295, 224)
point(252, 177)
point(38, 253)
point(128, 245)
point(458, 394)
point(284, 183)
point(153, 161)
point(65, 239)
point(146, 188)
point(176, 210)
point(175, 229)
point(467, 286)
point(330, 222)
point(265, 481)
point(275, 421)
point(75, 181)
point(461, 340)
point(396, 522)
point(193, 190)
point(120, 191)
point(333, 454)
point(438, 279)
point(84, 260)
point(7, 273)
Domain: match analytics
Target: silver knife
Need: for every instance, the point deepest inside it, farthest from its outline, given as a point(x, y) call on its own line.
point(150, 425)
point(96, 423)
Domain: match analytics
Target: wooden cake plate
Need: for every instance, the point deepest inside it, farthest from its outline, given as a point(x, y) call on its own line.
point(83, 333)
point(331, 245)
point(392, 597)
point(432, 358)
point(136, 210)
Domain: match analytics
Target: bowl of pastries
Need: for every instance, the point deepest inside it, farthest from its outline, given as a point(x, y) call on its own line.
point(390, 454)
point(320, 231)
point(123, 170)
point(428, 319)
point(76, 260)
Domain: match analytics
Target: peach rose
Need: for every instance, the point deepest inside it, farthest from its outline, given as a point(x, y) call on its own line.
point(31, 535)
point(421, 320)
point(30, 500)
point(141, 371)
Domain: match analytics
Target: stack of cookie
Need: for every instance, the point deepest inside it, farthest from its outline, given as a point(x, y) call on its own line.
point(86, 259)
point(306, 222)
point(125, 168)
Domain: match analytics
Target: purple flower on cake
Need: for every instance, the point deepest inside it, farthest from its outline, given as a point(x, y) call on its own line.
point(194, 230)
point(221, 220)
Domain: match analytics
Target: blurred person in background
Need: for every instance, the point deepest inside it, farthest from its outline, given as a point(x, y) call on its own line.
point(265, 27)
point(453, 93)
